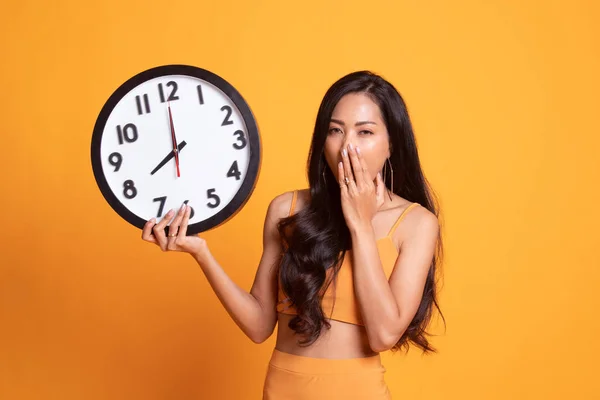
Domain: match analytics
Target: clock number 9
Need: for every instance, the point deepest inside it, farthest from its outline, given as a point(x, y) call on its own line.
point(129, 133)
point(115, 159)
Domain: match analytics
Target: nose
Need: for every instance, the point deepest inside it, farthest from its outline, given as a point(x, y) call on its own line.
point(346, 142)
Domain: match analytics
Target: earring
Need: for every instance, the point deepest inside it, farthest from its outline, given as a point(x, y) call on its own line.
point(391, 169)
point(385, 176)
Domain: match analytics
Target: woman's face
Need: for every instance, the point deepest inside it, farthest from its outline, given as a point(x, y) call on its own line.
point(357, 119)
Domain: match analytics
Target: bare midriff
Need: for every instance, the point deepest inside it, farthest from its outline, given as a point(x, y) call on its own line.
point(341, 340)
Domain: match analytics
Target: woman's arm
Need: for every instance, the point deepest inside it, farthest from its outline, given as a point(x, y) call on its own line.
point(388, 307)
point(254, 312)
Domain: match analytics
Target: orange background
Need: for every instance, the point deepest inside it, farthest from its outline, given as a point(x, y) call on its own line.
point(504, 98)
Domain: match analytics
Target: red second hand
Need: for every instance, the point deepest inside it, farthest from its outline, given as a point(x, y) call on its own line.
point(174, 140)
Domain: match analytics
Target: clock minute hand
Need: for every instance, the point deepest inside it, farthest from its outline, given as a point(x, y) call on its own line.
point(174, 139)
point(171, 154)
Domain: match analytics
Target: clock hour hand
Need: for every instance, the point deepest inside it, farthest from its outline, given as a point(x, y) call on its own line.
point(168, 157)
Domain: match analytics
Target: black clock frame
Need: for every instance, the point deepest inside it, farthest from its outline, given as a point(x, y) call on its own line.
point(253, 136)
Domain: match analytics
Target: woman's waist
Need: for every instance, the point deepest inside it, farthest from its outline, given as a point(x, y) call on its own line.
point(341, 341)
point(315, 365)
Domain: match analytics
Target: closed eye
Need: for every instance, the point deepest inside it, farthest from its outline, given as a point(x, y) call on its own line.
point(366, 132)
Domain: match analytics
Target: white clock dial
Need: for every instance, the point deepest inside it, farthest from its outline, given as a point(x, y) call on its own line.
point(216, 136)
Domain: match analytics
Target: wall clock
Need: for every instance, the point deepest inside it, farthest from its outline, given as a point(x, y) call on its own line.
point(176, 134)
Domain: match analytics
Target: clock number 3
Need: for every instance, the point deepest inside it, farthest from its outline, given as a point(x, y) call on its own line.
point(240, 138)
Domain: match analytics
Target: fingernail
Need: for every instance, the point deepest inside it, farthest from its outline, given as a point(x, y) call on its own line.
point(183, 207)
point(344, 152)
point(350, 146)
point(153, 220)
point(357, 150)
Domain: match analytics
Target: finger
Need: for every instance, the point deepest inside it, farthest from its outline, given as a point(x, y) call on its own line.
point(147, 231)
point(363, 167)
point(184, 223)
point(341, 180)
point(159, 230)
point(174, 227)
point(356, 167)
point(347, 169)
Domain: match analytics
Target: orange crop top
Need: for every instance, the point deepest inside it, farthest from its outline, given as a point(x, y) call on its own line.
point(346, 308)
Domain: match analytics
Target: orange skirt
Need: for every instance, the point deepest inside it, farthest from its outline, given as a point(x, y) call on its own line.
point(292, 377)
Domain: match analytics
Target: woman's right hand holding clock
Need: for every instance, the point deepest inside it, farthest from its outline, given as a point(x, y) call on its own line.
point(177, 239)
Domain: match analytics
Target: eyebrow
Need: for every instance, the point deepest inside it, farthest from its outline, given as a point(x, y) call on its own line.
point(337, 121)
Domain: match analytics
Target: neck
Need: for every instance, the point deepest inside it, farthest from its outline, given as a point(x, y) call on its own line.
point(387, 202)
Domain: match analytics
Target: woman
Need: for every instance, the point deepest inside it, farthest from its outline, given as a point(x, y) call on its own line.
point(349, 265)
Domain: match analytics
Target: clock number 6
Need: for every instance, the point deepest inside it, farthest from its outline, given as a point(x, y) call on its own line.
point(191, 209)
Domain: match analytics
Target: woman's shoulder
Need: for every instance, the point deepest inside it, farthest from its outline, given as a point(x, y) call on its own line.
point(402, 206)
point(410, 217)
point(286, 203)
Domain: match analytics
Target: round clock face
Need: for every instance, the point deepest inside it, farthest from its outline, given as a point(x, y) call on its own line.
point(176, 134)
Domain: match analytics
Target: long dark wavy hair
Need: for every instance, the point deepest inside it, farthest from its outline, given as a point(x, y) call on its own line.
point(316, 238)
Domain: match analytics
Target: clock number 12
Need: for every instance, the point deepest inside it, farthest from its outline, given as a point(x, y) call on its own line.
point(172, 96)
